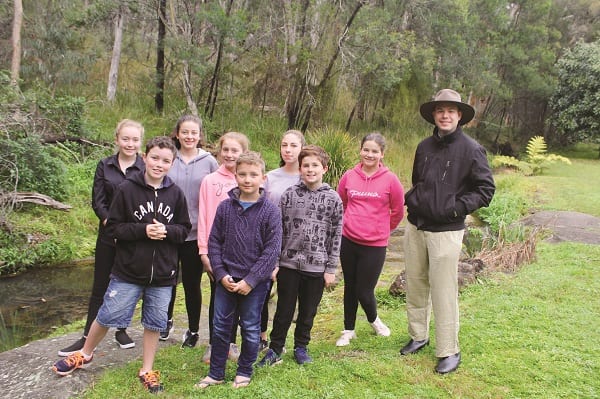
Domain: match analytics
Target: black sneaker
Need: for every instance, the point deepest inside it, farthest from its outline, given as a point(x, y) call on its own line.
point(151, 381)
point(190, 339)
point(271, 358)
point(74, 347)
point(164, 335)
point(301, 356)
point(124, 341)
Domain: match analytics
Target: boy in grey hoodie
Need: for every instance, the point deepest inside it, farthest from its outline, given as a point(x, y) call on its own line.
point(312, 230)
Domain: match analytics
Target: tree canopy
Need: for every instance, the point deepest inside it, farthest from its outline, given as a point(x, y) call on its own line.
point(318, 62)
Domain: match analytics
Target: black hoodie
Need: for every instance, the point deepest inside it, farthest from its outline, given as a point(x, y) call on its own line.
point(140, 260)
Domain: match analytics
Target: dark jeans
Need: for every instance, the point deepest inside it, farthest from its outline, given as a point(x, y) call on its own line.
point(362, 266)
point(211, 316)
point(191, 277)
point(228, 306)
point(103, 262)
point(307, 290)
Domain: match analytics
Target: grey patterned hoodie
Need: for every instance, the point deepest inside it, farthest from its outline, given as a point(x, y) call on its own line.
point(312, 229)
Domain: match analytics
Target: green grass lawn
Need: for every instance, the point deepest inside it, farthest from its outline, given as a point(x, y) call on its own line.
point(533, 334)
point(571, 187)
point(522, 336)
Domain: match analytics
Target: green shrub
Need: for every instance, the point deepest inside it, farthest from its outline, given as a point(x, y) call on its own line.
point(32, 166)
point(501, 217)
point(340, 146)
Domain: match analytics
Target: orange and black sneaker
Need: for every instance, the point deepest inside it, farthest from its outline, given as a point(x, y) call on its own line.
point(151, 381)
point(71, 363)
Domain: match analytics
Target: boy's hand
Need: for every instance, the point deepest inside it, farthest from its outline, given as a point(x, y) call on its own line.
point(274, 274)
point(329, 279)
point(156, 230)
point(207, 266)
point(228, 283)
point(243, 288)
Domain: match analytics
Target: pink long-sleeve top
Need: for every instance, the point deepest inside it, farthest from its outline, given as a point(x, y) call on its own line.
point(213, 190)
point(373, 205)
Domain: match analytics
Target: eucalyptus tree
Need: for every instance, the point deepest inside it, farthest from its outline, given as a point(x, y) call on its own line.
point(53, 46)
point(16, 43)
point(377, 60)
point(160, 56)
point(315, 35)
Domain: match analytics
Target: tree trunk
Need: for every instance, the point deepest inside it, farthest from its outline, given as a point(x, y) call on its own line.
point(113, 74)
point(16, 43)
point(188, 89)
point(159, 101)
point(211, 100)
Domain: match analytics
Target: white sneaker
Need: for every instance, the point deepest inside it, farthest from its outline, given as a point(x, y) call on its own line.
point(344, 340)
point(380, 328)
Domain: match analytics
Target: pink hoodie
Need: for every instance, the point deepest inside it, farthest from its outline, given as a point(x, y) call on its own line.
point(213, 190)
point(373, 206)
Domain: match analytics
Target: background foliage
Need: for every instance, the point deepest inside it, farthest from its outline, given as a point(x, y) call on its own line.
point(335, 69)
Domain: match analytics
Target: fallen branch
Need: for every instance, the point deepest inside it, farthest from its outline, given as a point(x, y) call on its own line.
point(33, 198)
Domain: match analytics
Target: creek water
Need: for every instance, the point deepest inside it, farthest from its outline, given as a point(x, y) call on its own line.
point(33, 304)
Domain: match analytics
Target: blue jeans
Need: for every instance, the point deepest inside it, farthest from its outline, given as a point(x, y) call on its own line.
point(120, 300)
point(227, 306)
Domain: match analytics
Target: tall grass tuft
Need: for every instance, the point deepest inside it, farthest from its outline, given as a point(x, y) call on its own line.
point(8, 336)
point(340, 146)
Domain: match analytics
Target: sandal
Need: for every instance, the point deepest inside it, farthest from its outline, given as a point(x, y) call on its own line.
point(241, 382)
point(207, 382)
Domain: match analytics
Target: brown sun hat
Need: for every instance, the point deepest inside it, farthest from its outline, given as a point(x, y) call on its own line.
point(447, 96)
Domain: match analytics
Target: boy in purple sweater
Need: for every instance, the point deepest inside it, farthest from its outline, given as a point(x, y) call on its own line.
point(243, 247)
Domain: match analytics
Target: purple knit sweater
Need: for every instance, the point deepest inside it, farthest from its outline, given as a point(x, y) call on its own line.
point(245, 243)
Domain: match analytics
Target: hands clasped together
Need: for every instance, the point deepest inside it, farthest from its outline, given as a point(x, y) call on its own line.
point(241, 287)
point(156, 230)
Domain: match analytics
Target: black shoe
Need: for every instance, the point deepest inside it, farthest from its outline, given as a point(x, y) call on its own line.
point(448, 364)
point(164, 335)
point(413, 346)
point(124, 341)
point(190, 339)
point(74, 347)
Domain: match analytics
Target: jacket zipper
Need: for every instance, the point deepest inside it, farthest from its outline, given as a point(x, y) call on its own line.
point(446, 170)
point(153, 250)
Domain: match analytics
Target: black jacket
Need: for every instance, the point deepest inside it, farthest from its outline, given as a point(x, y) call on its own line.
point(140, 260)
point(106, 181)
point(451, 179)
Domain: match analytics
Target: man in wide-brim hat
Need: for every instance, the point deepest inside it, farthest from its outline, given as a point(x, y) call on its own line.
point(451, 178)
point(449, 98)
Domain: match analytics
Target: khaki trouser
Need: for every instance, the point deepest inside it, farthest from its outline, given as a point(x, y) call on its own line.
point(431, 260)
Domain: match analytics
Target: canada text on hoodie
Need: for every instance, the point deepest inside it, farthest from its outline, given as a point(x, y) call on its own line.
point(140, 260)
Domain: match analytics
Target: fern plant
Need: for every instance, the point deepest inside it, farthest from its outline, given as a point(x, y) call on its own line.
point(536, 158)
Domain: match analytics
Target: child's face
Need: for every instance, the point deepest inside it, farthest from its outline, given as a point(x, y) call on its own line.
point(290, 148)
point(158, 162)
point(188, 135)
point(371, 154)
point(129, 140)
point(230, 152)
point(312, 171)
point(249, 178)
